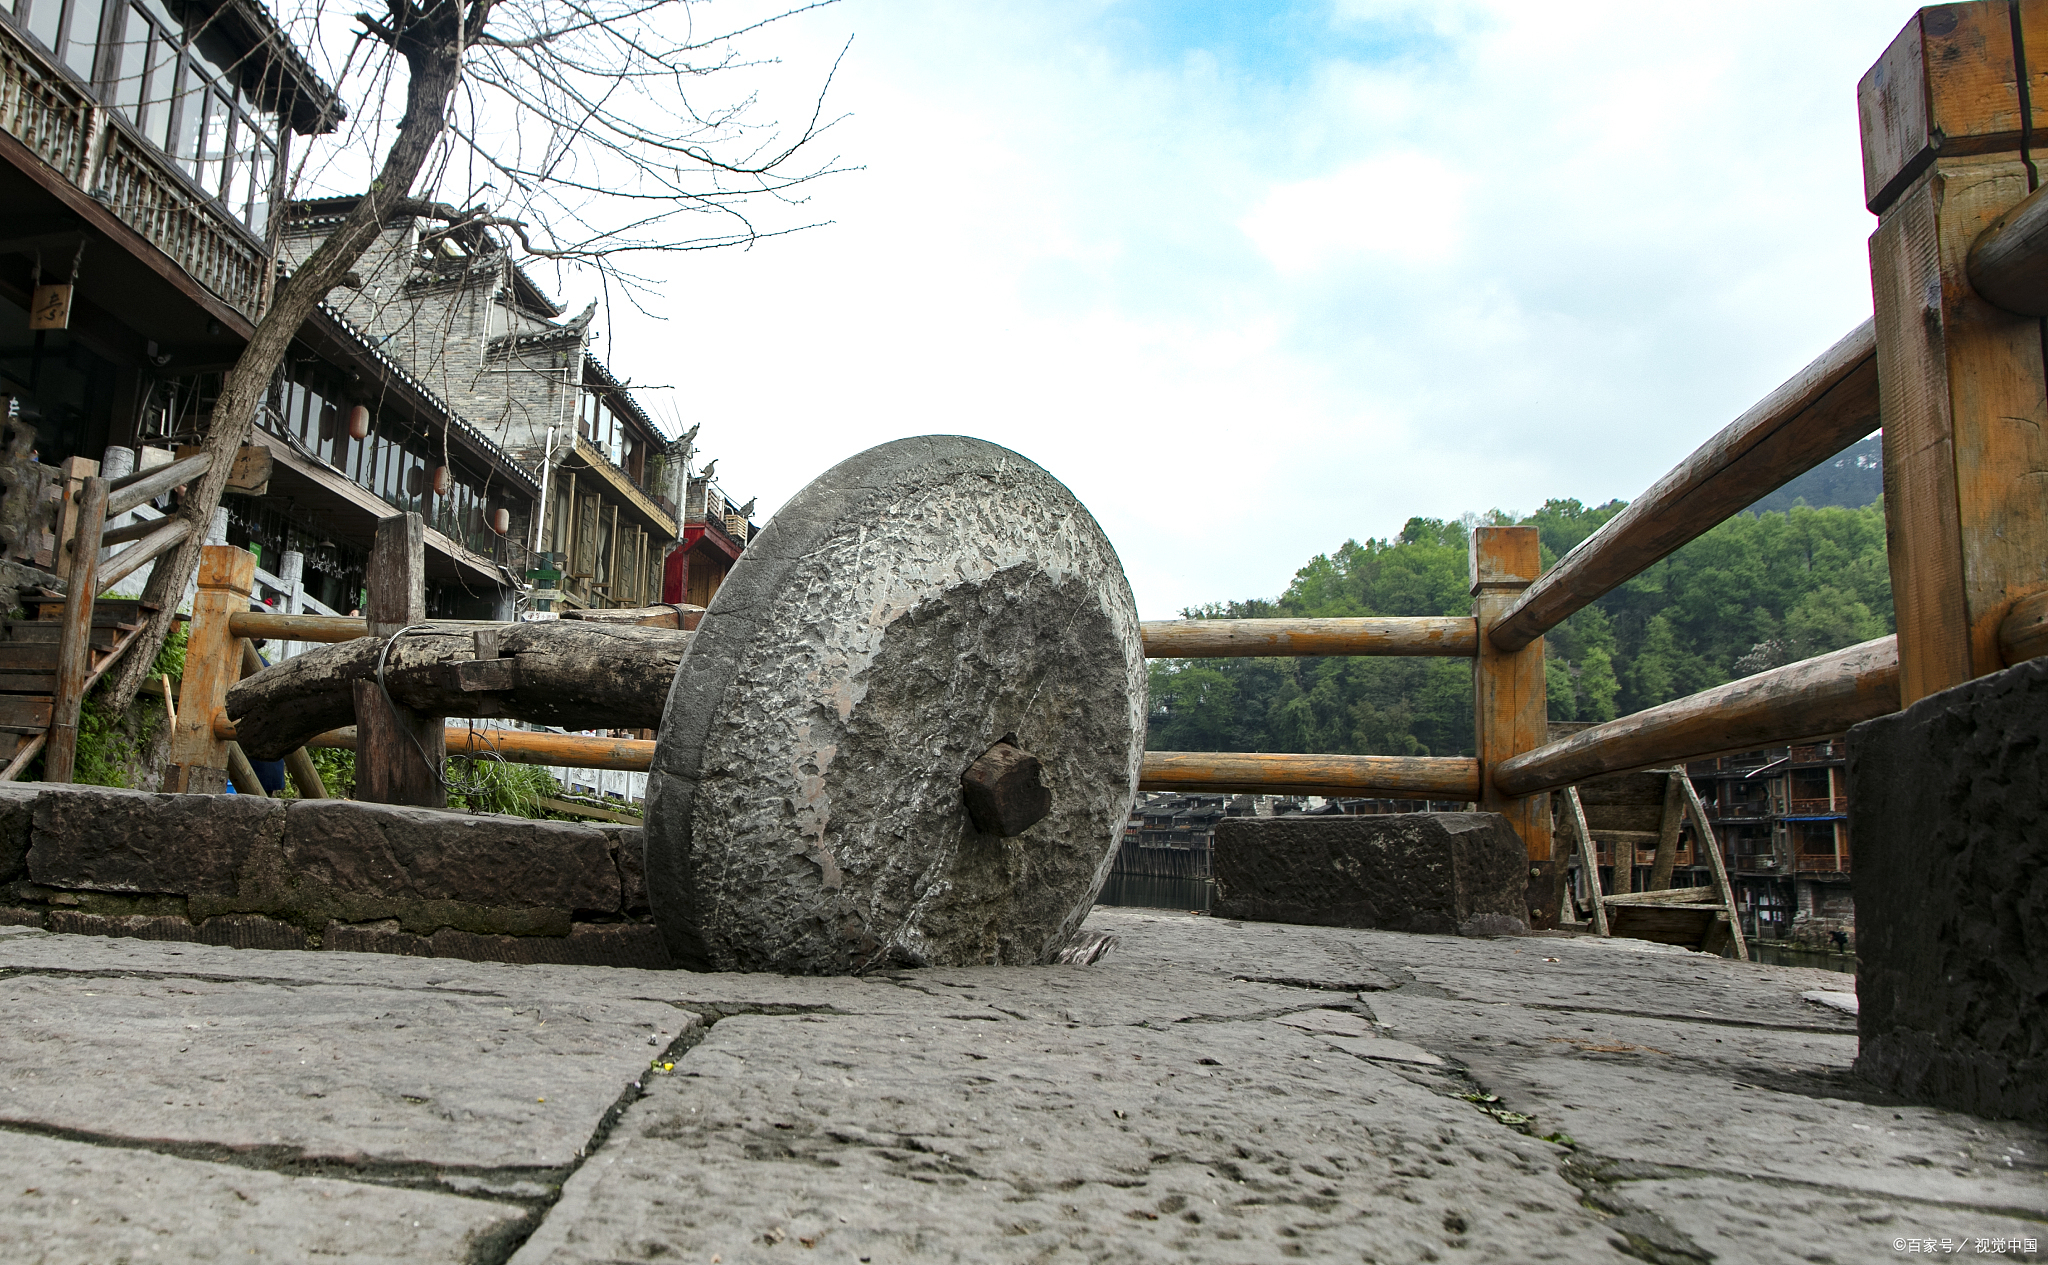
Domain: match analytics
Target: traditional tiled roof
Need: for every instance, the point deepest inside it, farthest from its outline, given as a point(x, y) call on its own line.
point(483, 443)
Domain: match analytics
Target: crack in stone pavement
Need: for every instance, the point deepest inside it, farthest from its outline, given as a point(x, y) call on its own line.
point(1208, 1092)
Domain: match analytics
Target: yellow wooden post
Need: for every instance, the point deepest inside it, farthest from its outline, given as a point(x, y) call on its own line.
point(1961, 383)
point(1510, 706)
point(213, 662)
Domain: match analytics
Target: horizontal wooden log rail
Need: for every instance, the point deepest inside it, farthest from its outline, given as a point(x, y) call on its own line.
point(1823, 409)
point(136, 556)
point(326, 629)
point(2023, 634)
point(1445, 636)
point(1261, 773)
point(145, 486)
point(568, 673)
point(2008, 263)
point(1804, 700)
point(516, 746)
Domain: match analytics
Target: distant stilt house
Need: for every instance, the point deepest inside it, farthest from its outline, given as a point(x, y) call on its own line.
point(600, 512)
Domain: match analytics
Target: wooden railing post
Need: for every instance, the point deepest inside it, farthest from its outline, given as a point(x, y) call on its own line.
point(87, 513)
point(1960, 382)
point(400, 754)
point(1510, 706)
point(213, 661)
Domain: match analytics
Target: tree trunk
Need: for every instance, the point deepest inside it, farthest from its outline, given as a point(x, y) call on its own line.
point(572, 674)
point(431, 36)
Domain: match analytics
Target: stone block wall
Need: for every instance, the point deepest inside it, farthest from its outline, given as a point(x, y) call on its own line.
point(1949, 811)
point(323, 874)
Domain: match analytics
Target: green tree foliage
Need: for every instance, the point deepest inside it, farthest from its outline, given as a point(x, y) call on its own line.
point(1756, 592)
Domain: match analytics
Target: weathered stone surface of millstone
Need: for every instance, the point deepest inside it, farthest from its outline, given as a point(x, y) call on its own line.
point(909, 608)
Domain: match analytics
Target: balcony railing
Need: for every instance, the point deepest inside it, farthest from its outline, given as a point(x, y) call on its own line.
point(1817, 807)
point(62, 125)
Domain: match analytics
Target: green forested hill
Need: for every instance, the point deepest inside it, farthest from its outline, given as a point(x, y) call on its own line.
point(1756, 592)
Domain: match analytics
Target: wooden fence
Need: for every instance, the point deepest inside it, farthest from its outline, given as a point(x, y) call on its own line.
point(1951, 363)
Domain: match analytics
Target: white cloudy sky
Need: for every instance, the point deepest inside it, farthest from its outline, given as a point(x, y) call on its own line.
point(1255, 276)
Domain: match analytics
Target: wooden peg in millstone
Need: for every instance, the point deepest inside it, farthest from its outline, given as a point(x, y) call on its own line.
point(1004, 795)
point(913, 605)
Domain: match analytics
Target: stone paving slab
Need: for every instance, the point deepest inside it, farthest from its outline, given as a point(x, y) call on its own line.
point(1225, 1141)
point(69, 1203)
point(1208, 1090)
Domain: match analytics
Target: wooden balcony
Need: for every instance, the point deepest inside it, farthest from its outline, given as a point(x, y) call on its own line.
point(82, 141)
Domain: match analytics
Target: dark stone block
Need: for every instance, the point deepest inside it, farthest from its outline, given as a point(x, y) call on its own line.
point(101, 839)
point(17, 809)
point(132, 926)
point(1436, 873)
point(392, 853)
point(631, 842)
point(1949, 812)
point(587, 944)
point(375, 937)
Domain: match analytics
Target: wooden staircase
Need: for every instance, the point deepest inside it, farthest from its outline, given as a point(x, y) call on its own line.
point(28, 666)
point(1631, 810)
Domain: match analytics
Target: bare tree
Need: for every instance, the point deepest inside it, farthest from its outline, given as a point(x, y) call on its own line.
point(573, 125)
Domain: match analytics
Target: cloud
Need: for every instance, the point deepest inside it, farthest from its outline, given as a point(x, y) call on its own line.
point(1254, 286)
point(1407, 207)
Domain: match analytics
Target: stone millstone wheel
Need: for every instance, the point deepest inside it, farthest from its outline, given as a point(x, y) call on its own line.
point(909, 609)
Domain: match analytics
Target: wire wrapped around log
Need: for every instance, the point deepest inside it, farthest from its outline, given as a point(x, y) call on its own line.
point(572, 674)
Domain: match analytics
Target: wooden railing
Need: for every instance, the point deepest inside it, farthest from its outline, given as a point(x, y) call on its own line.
point(62, 125)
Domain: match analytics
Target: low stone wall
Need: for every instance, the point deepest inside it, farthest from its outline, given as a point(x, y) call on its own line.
point(323, 874)
point(1431, 873)
point(1949, 813)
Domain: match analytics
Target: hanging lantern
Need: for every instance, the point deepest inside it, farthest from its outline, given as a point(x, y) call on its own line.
point(359, 422)
point(415, 479)
point(501, 521)
point(441, 480)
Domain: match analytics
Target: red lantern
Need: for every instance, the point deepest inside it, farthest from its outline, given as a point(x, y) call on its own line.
point(359, 422)
point(441, 480)
point(501, 521)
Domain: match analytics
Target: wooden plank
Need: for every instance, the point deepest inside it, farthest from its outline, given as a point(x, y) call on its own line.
point(1687, 925)
point(399, 755)
point(676, 616)
point(250, 471)
point(74, 650)
point(213, 661)
point(1589, 861)
point(396, 575)
point(145, 486)
point(1634, 790)
point(1447, 637)
point(136, 556)
point(401, 759)
point(1670, 896)
point(28, 682)
point(50, 632)
point(1704, 831)
point(1965, 401)
point(1821, 410)
point(1667, 834)
point(26, 711)
point(575, 809)
point(1510, 696)
point(1371, 776)
point(28, 657)
point(1799, 702)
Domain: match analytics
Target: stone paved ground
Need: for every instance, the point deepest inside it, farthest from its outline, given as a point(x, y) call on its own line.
point(1208, 1091)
